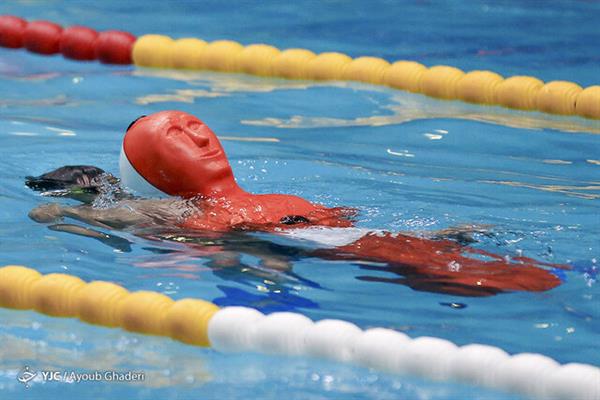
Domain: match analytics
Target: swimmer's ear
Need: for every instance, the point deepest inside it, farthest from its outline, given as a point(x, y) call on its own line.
point(134, 121)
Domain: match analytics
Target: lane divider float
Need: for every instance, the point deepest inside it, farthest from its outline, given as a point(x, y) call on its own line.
point(440, 81)
point(76, 42)
point(242, 329)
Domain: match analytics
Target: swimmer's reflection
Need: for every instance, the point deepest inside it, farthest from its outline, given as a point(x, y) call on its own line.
point(443, 262)
point(260, 265)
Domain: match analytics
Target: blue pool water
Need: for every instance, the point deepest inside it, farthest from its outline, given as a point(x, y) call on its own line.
point(409, 163)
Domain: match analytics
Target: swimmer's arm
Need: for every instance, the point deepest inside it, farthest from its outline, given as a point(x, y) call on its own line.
point(110, 218)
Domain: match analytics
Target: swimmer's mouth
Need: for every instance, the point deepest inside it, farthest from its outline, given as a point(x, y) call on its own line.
point(210, 153)
point(203, 143)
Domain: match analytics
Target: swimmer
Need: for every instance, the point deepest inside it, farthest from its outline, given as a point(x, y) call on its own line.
point(88, 184)
point(174, 154)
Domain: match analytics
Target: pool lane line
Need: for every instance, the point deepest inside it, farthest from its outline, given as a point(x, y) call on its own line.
point(106, 304)
point(440, 81)
point(75, 42)
point(242, 329)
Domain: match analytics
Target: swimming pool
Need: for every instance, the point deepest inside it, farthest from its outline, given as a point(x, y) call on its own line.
point(406, 161)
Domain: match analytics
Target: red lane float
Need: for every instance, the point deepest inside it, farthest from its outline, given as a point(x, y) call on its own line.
point(11, 31)
point(115, 47)
point(42, 37)
point(76, 42)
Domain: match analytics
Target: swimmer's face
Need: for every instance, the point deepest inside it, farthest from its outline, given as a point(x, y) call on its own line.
point(178, 154)
point(188, 136)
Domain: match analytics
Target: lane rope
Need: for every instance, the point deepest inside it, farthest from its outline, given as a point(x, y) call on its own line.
point(75, 42)
point(440, 81)
point(242, 329)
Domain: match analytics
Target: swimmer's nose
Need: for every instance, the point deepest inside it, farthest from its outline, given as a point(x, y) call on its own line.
point(198, 138)
point(196, 131)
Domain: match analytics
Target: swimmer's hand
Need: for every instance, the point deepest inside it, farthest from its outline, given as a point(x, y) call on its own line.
point(47, 213)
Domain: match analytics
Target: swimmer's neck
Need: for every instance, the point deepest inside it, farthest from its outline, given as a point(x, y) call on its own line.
point(233, 196)
point(225, 189)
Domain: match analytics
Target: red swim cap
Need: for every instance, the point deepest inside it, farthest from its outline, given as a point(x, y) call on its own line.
point(177, 154)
